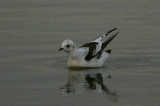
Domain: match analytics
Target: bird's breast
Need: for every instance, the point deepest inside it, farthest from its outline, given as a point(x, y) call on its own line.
point(72, 63)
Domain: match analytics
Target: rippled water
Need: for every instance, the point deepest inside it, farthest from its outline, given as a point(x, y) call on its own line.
point(33, 72)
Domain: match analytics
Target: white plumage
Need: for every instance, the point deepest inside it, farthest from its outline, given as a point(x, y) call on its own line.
point(91, 54)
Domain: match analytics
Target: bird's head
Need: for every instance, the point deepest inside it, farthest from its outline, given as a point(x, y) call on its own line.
point(67, 46)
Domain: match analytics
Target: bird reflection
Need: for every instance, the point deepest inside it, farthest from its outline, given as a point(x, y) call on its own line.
point(87, 80)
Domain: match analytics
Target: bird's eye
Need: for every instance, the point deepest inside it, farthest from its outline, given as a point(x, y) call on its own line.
point(67, 46)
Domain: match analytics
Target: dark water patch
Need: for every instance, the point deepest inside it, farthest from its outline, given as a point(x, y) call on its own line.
point(140, 61)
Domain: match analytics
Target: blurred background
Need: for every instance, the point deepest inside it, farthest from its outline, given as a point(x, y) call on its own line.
point(32, 70)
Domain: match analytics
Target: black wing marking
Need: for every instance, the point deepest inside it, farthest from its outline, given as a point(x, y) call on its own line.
point(92, 48)
point(104, 44)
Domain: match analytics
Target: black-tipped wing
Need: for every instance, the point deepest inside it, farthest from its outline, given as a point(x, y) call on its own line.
point(92, 46)
point(101, 37)
point(104, 44)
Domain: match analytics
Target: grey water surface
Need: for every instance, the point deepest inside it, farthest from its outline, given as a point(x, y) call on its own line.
point(34, 73)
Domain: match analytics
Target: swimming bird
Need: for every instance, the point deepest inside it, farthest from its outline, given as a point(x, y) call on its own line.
point(91, 54)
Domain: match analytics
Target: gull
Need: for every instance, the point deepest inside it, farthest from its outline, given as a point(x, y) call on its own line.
point(91, 54)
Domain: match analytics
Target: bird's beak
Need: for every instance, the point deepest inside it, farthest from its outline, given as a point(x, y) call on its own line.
point(61, 49)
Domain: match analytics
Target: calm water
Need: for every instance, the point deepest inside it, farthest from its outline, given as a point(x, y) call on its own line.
point(33, 72)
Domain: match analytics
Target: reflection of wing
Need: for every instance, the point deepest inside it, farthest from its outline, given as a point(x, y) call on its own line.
point(90, 81)
point(97, 46)
point(80, 79)
point(98, 79)
point(101, 37)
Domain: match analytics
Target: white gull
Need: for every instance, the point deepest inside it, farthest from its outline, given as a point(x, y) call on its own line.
point(91, 54)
